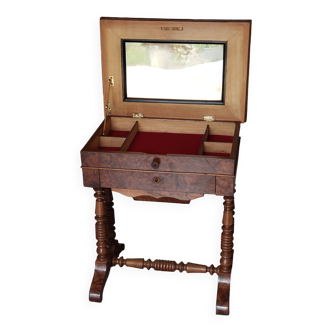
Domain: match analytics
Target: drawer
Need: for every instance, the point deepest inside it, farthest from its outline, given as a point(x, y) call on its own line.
point(167, 163)
point(158, 181)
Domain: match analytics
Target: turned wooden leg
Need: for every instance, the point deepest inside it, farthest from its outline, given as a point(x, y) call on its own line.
point(110, 220)
point(225, 268)
point(103, 260)
point(113, 246)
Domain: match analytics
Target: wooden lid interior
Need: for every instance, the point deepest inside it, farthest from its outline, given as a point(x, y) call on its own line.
point(234, 34)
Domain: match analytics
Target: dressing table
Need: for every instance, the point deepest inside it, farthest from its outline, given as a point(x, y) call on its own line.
point(175, 95)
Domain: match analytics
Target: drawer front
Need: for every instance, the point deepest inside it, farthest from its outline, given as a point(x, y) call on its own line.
point(91, 177)
point(225, 186)
point(166, 163)
point(205, 184)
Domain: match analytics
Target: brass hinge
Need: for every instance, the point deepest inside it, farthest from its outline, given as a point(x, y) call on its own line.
point(111, 80)
point(108, 104)
point(108, 107)
point(138, 115)
point(209, 118)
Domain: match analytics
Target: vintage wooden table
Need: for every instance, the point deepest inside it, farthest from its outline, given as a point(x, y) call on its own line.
point(175, 94)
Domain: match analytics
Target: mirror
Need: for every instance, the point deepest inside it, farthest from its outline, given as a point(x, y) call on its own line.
point(174, 71)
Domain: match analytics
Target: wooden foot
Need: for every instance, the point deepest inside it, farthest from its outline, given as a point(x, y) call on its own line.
point(224, 284)
point(98, 282)
point(224, 276)
point(107, 246)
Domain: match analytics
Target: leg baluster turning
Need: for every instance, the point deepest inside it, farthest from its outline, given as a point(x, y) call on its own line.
point(107, 243)
point(113, 246)
point(224, 276)
point(101, 266)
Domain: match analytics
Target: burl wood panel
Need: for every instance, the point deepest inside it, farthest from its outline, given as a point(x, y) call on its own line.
point(158, 181)
point(168, 163)
point(89, 159)
point(90, 177)
point(225, 186)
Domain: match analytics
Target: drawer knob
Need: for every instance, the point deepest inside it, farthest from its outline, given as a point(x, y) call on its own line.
point(156, 179)
point(155, 163)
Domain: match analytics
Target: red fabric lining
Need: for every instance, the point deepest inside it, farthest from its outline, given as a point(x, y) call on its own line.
point(166, 143)
point(220, 138)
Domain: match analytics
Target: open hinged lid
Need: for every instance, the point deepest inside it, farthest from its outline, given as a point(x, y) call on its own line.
point(175, 69)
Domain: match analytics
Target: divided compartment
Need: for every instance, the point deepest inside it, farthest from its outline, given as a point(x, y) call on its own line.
point(216, 143)
point(116, 136)
point(162, 137)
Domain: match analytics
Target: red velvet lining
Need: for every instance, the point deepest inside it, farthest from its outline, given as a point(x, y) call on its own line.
point(220, 138)
point(166, 143)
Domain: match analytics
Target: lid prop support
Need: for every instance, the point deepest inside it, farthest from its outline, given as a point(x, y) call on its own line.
point(107, 109)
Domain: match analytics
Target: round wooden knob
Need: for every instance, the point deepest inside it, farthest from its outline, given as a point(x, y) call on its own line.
point(155, 163)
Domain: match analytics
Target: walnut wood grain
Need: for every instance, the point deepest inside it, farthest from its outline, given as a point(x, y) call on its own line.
point(107, 246)
point(158, 181)
point(223, 293)
point(90, 177)
point(225, 186)
point(164, 265)
point(227, 235)
point(101, 266)
point(113, 246)
point(226, 261)
point(179, 177)
point(169, 163)
point(89, 159)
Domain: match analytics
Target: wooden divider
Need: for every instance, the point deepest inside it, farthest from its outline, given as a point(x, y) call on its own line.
point(171, 126)
point(205, 137)
point(126, 144)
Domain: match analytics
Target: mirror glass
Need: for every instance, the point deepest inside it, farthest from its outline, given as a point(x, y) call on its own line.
point(174, 71)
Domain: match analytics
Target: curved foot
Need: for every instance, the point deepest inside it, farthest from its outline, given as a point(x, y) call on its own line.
point(103, 259)
point(224, 284)
point(98, 282)
point(102, 273)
